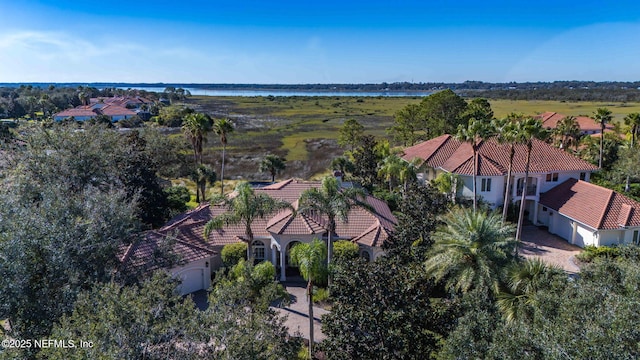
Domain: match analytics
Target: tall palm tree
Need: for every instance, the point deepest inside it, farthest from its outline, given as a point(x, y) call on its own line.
point(523, 280)
point(603, 117)
point(272, 164)
point(310, 257)
point(527, 130)
point(195, 127)
point(633, 122)
point(243, 209)
point(469, 250)
point(330, 201)
point(474, 133)
point(506, 131)
point(201, 176)
point(223, 127)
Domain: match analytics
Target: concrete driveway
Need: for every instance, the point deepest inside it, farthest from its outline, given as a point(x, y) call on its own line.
point(538, 242)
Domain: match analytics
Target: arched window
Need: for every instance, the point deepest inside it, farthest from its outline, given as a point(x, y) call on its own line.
point(258, 250)
point(365, 255)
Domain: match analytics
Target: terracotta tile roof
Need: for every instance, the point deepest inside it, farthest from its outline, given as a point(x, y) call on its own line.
point(191, 224)
point(142, 253)
point(592, 205)
point(493, 158)
point(78, 111)
point(375, 235)
point(116, 110)
point(550, 121)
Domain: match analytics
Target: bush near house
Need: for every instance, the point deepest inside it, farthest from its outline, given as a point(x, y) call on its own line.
point(232, 253)
point(592, 252)
point(345, 250)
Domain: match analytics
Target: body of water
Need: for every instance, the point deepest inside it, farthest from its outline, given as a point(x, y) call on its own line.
point(219, 92)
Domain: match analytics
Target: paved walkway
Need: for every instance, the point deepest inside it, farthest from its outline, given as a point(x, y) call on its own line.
point(538, 242)
point(298, 312)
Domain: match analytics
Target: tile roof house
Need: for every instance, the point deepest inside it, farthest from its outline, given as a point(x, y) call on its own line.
point(116, 108)
point(549, 166)
point(588, 214)
point(588, 126)
point(273, 236)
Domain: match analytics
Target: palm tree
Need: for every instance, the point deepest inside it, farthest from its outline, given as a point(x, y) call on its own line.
point(201, 176)
point(448, 183)
point(243, 209)
point(342, 164)
point(310, 257)
point(222, 128)
point(390, 168)
point(195, 127)
point(568, 130)
point(469, 250)
point(633, 122)
point(473, 134)
point(272, 164)
point(506, 133)
point(408, 173)
point(330, 201)
point(524, 279)
point(527, 130)
point(602, 116)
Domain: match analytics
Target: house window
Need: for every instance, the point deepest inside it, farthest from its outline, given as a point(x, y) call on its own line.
point(544, 209)
point(553, 177)
point(258, 250)
point(583, 176)
point(486, 185)
point(635, 237)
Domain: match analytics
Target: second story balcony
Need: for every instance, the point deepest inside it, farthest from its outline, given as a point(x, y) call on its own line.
point(531, 190)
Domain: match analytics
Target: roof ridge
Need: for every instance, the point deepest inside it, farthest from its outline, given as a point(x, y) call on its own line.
point(128, 252)
point(190, 212)
point(606, 208)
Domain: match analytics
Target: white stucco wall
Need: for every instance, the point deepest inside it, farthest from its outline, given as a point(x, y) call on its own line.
point(610, 237)
point(562, 177)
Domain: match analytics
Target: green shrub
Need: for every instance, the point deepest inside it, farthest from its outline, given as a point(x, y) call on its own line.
point(345, 250)
point(232, 253)
point(592, 252)
point(320, 294)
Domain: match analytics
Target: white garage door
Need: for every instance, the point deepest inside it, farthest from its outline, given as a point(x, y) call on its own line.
point(192, 280)
point(563, 227)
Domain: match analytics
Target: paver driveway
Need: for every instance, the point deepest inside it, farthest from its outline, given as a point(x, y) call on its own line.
point(538, 242)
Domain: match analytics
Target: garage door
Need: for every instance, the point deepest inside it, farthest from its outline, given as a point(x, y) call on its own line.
point(192, 280)
point(563, 227)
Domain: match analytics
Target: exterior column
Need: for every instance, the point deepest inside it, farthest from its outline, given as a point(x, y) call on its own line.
point(535, 212)
point(283, 276)
point(273, 255)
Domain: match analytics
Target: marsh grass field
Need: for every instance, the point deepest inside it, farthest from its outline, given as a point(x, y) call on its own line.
point(304, 130)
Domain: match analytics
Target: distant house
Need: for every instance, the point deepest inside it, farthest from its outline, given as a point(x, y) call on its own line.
point(587, 214)
point(115, 108)
point(588, 126)
point(549, 167)
point(274, 236)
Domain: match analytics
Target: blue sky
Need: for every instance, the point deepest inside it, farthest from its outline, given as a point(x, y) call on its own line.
point(318, 41)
